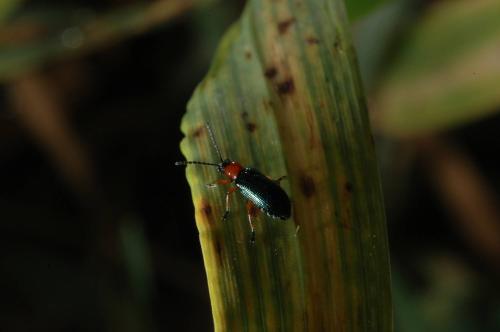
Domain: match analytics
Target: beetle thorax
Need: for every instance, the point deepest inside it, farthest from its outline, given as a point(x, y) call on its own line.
point(232, 169)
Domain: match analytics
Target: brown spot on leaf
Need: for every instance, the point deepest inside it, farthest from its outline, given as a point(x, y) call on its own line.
point(251, 127)
point(283, 26)
point(248, 55)
point(286, 87)
point(346, 225)
point(348, 187)
point(307, 186)
point(271, 72)
point(312, 40)
point(268, 104)
point(218, 252)
point(206, 209)
point(198, 131)
point(336, 44)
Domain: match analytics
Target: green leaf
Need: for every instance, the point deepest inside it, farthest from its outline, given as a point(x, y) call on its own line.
point(447, 72)
point(284, 96)
point(358, 8)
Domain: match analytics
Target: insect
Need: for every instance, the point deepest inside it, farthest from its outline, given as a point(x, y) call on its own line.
point(261, 192)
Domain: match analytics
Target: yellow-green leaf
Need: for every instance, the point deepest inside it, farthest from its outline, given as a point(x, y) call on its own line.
point(283, 95)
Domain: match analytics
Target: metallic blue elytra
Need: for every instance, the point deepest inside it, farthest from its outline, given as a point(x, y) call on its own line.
point(264, 193)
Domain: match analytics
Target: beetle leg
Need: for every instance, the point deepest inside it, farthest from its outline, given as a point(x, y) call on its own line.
point(278, 180)
point(218, 182)
point(251, 212)
point(229, 192)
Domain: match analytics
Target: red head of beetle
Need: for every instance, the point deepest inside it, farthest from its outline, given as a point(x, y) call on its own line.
point(231, 169)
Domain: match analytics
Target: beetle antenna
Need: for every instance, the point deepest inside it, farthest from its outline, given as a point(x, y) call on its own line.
point(185, 163)
point(212, 138)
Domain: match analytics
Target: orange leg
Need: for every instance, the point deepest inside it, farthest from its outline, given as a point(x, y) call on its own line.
point(218, 182)
point(252, 212)
point(229, 192)
point(278, 180)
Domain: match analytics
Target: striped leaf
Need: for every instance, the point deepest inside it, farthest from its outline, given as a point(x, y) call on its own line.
point(283, 95)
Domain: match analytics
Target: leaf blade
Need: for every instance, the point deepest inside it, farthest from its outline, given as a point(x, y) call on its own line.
point(284, 96)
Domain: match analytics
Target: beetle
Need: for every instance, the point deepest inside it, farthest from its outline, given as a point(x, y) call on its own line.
point(260, 191)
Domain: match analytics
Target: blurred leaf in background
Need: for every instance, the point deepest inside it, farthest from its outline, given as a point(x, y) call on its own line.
point(37, 33)
point(431, 70)
point(446, 72)
point(7, 7)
